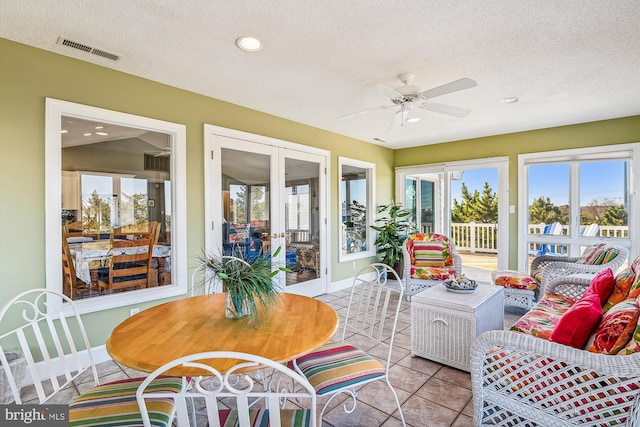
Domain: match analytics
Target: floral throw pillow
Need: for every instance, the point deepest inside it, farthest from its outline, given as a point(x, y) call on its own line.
point(624, 281)
point(615, 329)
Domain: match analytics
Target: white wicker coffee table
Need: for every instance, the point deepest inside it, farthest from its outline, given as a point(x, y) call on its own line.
point(445, 324)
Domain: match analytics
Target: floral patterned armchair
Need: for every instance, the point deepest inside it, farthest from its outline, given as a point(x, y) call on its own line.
point(428, 260)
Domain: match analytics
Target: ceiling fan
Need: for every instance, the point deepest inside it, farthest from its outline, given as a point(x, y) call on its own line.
point(164, 152)
point(409, 96)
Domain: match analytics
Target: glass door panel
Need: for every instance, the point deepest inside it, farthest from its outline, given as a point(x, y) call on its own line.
point(270, 201)
point(302, 221)
point(420, 200)
point(474, 218)
point(246, 191)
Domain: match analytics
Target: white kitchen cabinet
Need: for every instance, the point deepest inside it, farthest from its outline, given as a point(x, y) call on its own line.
point(70, 190)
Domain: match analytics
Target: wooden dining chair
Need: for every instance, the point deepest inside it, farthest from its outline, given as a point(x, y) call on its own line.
point(338, 368)
point(146, 230)
point(55, 351)
point(73, 287)
point(254, 391)
point(73, 229)
point(78, 229)
point(130, 264)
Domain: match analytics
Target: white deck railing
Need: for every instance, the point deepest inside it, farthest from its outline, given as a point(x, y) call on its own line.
point(475, 237)
point(478, 237)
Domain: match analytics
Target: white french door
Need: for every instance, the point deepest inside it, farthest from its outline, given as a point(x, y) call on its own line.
point(268, 198)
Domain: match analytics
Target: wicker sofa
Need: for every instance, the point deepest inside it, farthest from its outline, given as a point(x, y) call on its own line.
point(524, 378)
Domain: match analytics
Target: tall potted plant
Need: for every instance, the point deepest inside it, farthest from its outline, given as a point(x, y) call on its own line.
point(393, 225)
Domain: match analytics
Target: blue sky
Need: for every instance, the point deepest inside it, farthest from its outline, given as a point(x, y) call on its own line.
point(474, 180)
point(598, 181)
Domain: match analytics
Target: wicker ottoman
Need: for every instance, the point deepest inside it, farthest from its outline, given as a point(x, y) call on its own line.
point(519, 287)
point(444, 325)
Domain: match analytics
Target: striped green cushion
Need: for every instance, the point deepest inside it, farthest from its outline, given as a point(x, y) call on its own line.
point(598, 254)
point(260, 417)
point(338, 365)
point(115, 404)
point(428, 254)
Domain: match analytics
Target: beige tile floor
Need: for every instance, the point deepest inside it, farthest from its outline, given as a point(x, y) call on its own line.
point(431, 394)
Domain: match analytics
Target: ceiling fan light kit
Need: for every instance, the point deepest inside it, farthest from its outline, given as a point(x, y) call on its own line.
point(408, 95)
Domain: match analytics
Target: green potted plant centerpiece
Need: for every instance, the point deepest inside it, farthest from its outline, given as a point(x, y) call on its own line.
point(393, 226)
point(248, 282)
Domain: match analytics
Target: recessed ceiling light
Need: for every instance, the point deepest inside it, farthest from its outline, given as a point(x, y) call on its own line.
point(510, 100)
point(64, 131)
point(102, 133)
point(249, 44)
point(413, 119)
point(87, 134)
point(99, 127)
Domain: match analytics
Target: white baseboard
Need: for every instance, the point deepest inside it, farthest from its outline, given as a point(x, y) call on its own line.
point(344, 284)
point(341, 284)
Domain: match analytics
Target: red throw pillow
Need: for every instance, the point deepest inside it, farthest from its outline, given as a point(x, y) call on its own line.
point(575, 326)
point(602, 284)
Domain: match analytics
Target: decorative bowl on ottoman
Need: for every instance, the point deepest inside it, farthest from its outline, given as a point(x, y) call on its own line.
point(461, 285)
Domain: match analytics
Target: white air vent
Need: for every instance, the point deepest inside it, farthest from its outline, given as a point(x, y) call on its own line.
point(83, 47)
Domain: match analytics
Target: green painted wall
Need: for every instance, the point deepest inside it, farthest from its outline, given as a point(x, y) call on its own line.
point(29, 75)
point(608, 132)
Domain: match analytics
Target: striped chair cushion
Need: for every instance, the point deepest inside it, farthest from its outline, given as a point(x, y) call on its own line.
point(115, 404)
point(338, 365)
point(260, 417)
point(428, 254)
point(598, 254)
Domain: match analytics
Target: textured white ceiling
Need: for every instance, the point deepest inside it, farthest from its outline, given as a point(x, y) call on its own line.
point(570, 61)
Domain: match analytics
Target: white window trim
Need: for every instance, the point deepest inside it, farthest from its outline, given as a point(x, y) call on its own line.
point(371, 208)
point(55, 109)
point(630, 151)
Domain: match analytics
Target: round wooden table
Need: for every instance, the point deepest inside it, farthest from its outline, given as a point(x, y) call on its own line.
point(160, 334)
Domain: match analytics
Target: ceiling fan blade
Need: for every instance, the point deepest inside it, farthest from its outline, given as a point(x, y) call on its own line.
point(387, 91)
point(446, 109)
point(355, 113)
point(464, 83)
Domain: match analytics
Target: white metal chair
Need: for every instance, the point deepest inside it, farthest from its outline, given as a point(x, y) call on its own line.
point(57, 351)
point(372, 313)
point(51, 344)
point(259, 387)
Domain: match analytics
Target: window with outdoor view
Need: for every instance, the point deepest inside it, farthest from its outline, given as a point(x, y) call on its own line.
point(357, 212)
point(576, 199)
